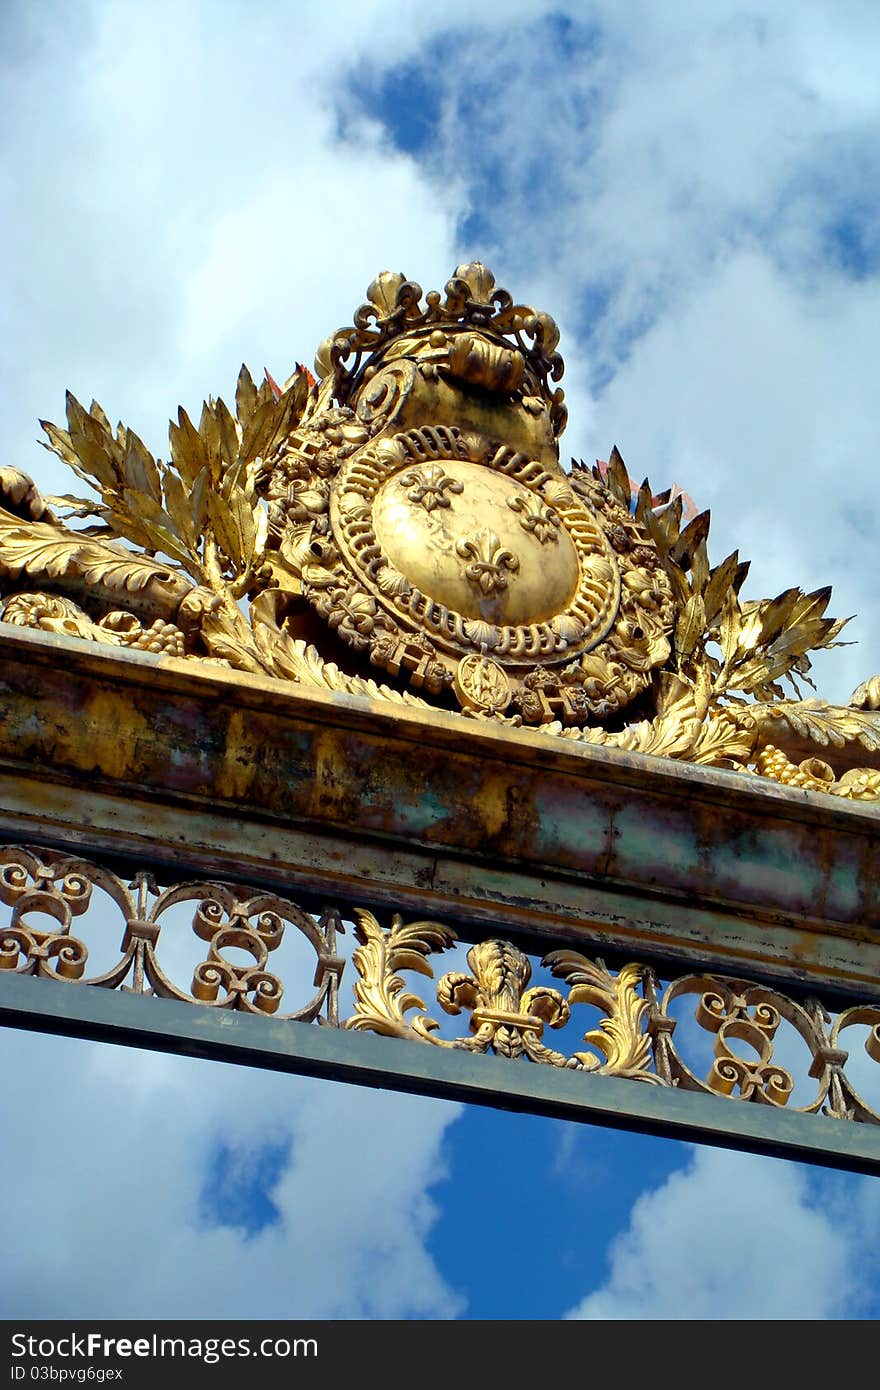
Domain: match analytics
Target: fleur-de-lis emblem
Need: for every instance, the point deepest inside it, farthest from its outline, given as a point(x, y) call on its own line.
point(539, 519)
point(489, 561)
point(505, 1015)
point(428, 486)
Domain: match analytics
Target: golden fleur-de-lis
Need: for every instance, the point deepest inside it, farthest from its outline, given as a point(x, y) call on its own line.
point(538, 519)
point(428, 486)
point(490, 562)
point(505, 1015)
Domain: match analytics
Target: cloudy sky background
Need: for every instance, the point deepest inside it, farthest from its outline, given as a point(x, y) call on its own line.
point(692, 192)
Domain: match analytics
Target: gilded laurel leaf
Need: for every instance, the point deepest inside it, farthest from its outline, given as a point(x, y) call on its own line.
point(680, 587)
point(69, 507)
point(720, 583)
point(60, 444)
point(272, 420)
point(776, 613)
point(811, 605)
point(700, 568)
point(668, 523)
point(243, 518)
point(139, 471)
point(225, 528)
point(228, 434)
point(209, 433)
point(180, 510)
point(731, 623)
point(143, 501)
point(690, 625)
point(187, 448)
point(784, 653)
point(826, 725)
point(245, 396)
point(617, 478)
point(198, 501)
point(164, 538)
point(96, 451)
point(690, 541)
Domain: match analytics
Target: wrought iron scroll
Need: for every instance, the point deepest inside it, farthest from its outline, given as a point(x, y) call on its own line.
point(50, 894)
point(698, 1032)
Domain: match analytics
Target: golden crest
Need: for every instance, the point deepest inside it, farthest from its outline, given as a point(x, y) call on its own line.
point(401, 528)
point(447, 527)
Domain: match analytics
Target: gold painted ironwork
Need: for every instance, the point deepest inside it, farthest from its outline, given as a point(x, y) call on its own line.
point(47, 891)
point(766, 1047)
point(407, 514)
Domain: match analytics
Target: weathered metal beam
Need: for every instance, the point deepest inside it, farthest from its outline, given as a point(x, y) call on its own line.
point(154, 759)
point(367, 1060)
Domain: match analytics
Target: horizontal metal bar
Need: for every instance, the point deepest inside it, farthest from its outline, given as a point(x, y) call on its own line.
point(367, 1060)
point(298, 861)
point(141, 757)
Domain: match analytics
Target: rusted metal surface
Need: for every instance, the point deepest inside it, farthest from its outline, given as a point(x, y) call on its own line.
point(130, 752)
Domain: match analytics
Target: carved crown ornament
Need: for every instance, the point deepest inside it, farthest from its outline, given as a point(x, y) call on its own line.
point(401, 527)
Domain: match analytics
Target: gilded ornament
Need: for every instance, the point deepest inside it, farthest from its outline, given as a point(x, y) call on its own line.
point(58, 903)
point(538, 519)
point(428, 486)
point(408, 508)
point(489, 564)
point(481, 684)
point(507, 1014)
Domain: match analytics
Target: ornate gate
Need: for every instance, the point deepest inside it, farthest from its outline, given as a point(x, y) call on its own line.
point(361, 677)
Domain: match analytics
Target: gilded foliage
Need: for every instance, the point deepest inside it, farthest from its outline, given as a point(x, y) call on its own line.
point(201, 508)
point(381, 997)
point(507, 1015)
point(621, 1040)
point(302, 535)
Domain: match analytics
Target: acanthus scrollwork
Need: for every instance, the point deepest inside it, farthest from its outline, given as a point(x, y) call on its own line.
point(762, 1040)
point(701, 1032)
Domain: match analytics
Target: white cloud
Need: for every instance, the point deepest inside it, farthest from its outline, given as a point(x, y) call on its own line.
point(734, 1237)
point(110, 1215)
point(688, 192)
point(184, 199)
point(756, 396)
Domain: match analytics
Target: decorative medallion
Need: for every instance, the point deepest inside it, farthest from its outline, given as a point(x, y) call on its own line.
point(457, 548)
point(481, 684)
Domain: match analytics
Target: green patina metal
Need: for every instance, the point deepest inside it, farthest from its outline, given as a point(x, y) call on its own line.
point(364, 1060)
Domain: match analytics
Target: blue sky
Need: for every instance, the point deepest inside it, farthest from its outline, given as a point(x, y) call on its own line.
point(692, 192)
